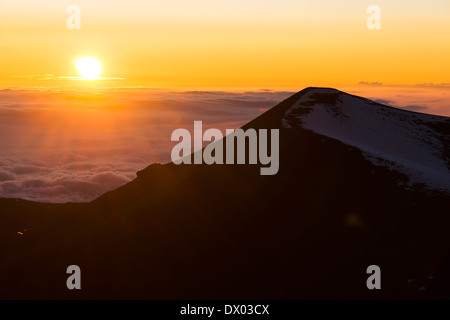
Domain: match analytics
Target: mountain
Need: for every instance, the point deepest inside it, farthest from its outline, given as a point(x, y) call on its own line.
point(359, 184)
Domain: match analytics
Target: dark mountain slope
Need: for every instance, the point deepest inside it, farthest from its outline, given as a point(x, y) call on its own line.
point(225, 231)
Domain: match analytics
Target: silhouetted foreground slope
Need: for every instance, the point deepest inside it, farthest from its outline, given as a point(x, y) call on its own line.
point(225, 231)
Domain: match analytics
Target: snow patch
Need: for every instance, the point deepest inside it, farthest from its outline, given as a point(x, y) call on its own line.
point(400, 140)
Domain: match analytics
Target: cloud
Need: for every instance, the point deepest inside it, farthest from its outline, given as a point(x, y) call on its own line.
point(64, 145)
point(109, 179)
point(5, 176)
point(25, 169)
point(383, 101)
point(83, 78)
point(426, 98)
point(433, 85)
point(415, 108)
point(36, 76)
point(364, 83)
point(62, 185)
point(249, 103)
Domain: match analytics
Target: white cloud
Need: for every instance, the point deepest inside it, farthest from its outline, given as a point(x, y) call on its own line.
point(63, 145)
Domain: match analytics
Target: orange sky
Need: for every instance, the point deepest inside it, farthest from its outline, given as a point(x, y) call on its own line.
point(279, 44)
point(167, 63)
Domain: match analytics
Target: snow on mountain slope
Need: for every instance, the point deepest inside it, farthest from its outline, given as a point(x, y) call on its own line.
point(412, 143)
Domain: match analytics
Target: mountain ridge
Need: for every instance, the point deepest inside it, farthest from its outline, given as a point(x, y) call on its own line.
point(226, 232)
point(277, 117)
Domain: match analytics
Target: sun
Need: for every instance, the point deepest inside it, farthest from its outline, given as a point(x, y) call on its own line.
point(89, 68)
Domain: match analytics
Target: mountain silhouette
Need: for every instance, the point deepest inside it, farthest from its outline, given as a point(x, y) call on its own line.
point(359, 184)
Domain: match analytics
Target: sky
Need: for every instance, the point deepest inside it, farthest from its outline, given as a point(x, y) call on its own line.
point(167, 63)
point(282, 44)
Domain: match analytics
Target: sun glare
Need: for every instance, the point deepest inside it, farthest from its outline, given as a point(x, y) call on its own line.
point(89, 68)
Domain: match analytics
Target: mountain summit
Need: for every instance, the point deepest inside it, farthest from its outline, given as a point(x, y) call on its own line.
point(359, 184)
point(409, 142)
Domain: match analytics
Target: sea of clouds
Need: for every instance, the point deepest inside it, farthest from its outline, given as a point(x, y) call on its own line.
point(65, 145)
point(72, 146)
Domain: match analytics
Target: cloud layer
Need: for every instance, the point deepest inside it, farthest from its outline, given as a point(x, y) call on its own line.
point(67, 146)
